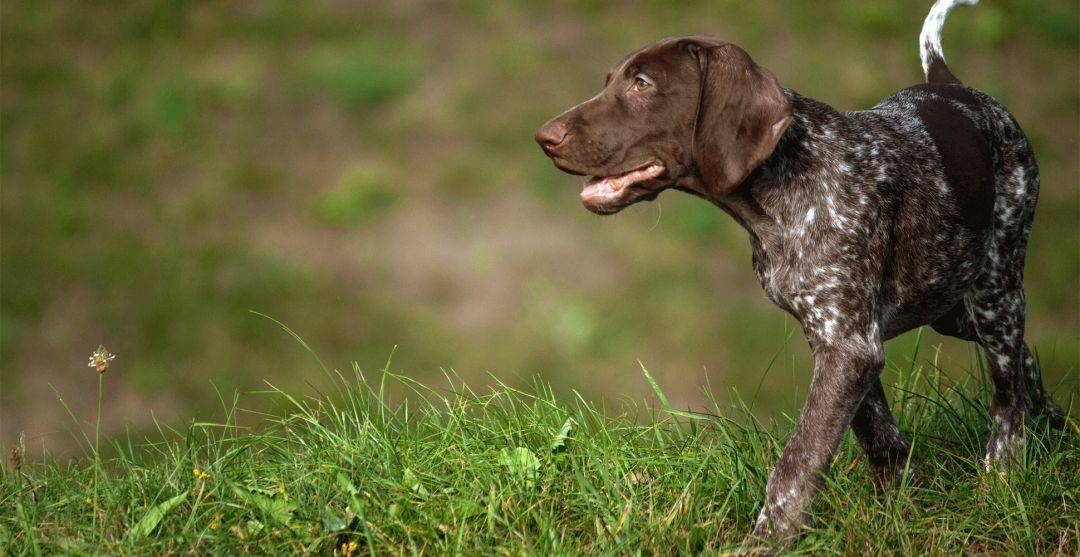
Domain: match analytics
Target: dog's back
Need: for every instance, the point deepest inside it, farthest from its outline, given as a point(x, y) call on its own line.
point(940, 171)
point(981, 178)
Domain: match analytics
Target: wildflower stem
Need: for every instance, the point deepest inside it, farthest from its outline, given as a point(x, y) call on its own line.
point(99, 360)
point(97, 431)
point(97, 439)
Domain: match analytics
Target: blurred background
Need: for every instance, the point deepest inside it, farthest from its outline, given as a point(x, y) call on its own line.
point(365, 172)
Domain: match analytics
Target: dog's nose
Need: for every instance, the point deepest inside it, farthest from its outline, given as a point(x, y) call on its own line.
point(551, 135)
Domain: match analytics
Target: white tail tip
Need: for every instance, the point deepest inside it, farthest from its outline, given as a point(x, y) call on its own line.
point(930, 38)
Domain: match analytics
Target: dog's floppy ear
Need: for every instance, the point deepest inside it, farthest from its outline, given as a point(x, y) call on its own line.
point(742, 113)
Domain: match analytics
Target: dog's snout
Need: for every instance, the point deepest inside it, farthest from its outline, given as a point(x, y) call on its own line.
point(551, 135)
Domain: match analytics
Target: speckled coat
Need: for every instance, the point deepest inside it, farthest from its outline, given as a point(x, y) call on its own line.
point(863, 225)
point(867, 224)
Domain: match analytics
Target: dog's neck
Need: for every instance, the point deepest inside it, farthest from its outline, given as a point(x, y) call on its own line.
point(760, 204)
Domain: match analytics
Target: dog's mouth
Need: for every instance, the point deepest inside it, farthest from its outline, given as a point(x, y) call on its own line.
point(607, 194)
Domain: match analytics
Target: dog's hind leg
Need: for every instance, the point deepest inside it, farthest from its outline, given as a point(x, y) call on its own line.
point(873, 425)
point(998, 314)
point(996, 306)
point(958, 323)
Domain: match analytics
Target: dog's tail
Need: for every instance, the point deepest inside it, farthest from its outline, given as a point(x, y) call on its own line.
point(933, 61)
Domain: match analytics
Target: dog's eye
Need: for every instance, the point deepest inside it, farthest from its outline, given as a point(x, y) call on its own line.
point(641, 83)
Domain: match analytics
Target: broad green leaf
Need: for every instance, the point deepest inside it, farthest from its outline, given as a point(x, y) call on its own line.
point(559, 441)
point(355, 508)
point(150, 520)
point(253, 526)
point(521, 463)
point(279, 510)
point(273, 507)
point(332, 521)
point(262, 491)
point(413, 483)
point(346, 485)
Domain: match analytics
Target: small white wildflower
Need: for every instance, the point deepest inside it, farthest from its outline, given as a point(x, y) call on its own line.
point(100, 359)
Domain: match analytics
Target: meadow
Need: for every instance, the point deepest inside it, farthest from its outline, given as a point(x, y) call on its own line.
point(179, 178)
point(449, 470)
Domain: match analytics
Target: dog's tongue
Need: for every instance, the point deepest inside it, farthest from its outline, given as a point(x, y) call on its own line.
point(609, 185)
point(599, 186)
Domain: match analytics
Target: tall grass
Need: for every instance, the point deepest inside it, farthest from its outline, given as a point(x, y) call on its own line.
point(437, 470)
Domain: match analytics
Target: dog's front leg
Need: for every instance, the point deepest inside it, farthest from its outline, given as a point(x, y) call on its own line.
point(844, 369)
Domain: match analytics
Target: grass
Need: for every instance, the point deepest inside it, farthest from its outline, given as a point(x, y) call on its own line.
point(385, 465)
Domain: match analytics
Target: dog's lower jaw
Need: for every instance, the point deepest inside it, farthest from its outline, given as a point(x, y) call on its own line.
point(610, 194)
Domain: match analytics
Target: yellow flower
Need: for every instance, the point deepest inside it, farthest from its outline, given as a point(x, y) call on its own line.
point(200, 474)
point(347, 549)
point(88, 501)
point(100, 359)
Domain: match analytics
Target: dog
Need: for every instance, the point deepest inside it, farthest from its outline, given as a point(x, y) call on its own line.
point(863, 225)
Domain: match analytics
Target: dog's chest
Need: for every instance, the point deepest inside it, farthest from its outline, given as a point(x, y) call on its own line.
point(823, 250)
point(803, 275)
point(779, 281)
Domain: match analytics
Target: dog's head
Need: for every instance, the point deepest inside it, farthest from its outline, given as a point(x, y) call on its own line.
point(693, 112)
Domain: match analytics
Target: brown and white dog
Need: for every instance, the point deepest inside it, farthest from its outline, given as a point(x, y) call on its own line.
point(863, 225)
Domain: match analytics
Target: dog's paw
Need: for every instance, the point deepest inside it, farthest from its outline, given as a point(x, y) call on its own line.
point(891, 475)
point(1054, 415)
point(1005, 447)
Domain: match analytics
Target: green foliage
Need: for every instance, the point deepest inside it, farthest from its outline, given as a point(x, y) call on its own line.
point(412, 483)
point(559, 441)
point(521, 464)
point(267, 506)
point(168, 109)
point(449, 470)
point(153, 516)
point(371, 70)
point(875, 17)
point(361, 194)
